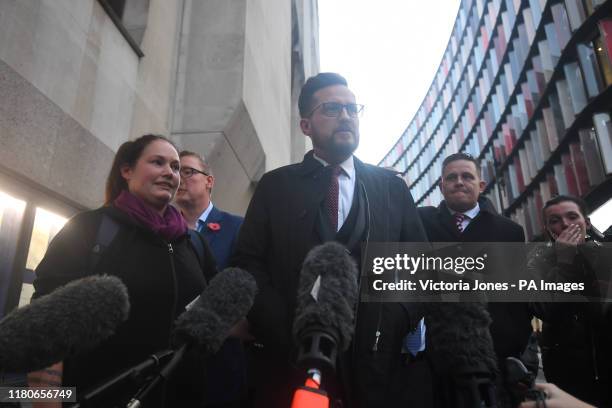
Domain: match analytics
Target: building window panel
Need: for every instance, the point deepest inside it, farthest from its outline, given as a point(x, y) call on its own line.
point(46, 225)
point(11, 218)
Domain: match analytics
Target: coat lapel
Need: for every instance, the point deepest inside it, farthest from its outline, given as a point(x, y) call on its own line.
point(377, 201)
point(306, 201)
point(447, 222)
point(214, 216)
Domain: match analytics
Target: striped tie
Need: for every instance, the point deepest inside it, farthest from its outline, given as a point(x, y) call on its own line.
point(459, 218)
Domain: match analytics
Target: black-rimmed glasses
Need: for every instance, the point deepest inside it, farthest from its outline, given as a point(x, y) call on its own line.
point(187, 172)
point(334, 109)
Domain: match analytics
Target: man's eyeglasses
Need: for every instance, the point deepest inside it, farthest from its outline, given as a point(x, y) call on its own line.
point(334, 109)
point(187, 172)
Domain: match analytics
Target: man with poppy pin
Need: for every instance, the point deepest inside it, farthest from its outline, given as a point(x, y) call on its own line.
point(329, 196)
point(226, 376)
point(193, 198)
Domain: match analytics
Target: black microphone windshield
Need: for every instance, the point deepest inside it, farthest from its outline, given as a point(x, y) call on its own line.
point(71, 319)
point(459, 336)
point(228, 298)
point(327, 294)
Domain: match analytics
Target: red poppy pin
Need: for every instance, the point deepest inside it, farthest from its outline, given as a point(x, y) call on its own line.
point(213, 226)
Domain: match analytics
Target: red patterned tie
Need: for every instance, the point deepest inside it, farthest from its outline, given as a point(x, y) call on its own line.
point(459, 218)
point(331, 199)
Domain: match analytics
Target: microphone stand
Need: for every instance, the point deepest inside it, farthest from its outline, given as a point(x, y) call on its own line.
point(164, 374)
point(474, 389)
point(153, 361)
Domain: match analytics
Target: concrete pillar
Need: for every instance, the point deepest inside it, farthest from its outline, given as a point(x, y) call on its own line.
point(232, 100)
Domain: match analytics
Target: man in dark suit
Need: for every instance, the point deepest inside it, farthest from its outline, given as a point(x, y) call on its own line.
point(226, 375)
point(464, 216)
point(193, 198)
point(330, 195)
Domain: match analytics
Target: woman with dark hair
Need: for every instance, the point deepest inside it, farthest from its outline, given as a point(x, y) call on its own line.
point(576, 337)
point(151, 253)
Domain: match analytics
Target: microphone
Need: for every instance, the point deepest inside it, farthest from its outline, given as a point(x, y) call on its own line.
point(73, 318)
point(207, 321)
point(324, 317)
point(326, 299)
point(461, 345)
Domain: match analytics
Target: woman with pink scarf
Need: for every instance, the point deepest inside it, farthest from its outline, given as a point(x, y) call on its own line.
point(152, 254)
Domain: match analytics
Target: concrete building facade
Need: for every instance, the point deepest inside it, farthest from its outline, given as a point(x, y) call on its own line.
point(80, 77)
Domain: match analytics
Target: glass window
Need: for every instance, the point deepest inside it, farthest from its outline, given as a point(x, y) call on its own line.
point(601, 218)
point(11, 218)
point(46, 225)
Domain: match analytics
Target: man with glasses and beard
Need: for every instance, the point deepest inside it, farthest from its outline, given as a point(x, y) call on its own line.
point(330, 196)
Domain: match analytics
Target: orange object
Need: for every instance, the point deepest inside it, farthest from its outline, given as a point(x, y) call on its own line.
point(310, 396)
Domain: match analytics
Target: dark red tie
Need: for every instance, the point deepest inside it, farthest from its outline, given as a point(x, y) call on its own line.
point(331, 199)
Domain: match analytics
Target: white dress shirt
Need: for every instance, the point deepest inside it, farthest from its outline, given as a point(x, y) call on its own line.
point(202, 220)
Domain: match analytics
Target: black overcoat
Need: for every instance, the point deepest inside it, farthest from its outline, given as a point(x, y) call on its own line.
point(511, 325)
point(278, 232)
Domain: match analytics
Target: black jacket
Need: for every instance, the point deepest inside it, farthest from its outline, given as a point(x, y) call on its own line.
point(277, 233)
point(576, 336)
point(488, 226)
point(160, 282)
point(511, 325)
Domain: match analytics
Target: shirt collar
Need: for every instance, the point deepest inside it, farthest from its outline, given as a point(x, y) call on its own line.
point(348, 166)
point(471, 214)
point(206, 213)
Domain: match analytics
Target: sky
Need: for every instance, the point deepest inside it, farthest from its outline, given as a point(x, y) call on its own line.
point(388, 51)
point(601, 217)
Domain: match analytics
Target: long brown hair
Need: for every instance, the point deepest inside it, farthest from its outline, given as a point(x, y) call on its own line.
point(127, 155)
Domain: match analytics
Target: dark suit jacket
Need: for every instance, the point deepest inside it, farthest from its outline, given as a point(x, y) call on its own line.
point(222, 241)
point(511, 325)
point(276, 235)
point(225, 380)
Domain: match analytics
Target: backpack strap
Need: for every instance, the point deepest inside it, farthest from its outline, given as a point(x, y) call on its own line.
point(106, 233)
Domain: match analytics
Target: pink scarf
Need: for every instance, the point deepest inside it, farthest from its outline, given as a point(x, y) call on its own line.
point(169, 226)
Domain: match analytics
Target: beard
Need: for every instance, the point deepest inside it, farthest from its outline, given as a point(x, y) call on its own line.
point(341, 148)
point(336, 148)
